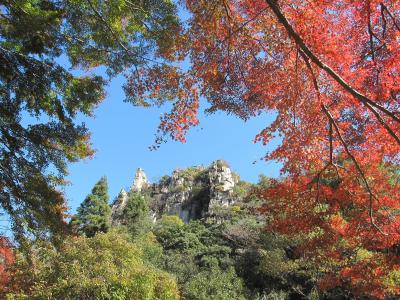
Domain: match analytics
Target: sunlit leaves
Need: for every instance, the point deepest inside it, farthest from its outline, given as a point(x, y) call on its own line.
point(106, 266)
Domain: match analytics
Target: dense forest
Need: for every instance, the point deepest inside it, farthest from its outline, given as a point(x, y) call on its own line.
point(329, 73)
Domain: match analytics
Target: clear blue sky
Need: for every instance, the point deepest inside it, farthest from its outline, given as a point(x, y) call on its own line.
point(121, 134)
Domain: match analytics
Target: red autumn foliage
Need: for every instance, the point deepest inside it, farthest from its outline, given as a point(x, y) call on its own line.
point(6, 259)
point(330, 71)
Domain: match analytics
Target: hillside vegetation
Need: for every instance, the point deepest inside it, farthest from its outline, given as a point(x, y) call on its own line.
point(228, 253)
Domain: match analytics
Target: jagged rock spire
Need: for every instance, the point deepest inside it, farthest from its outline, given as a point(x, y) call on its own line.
point(222, 182)
point(140, 181)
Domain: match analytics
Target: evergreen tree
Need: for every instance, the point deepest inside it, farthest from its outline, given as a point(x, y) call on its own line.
point(136, 213)
point(94, 213)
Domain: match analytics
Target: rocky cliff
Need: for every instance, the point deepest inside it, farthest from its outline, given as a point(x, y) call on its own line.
point(191, 193)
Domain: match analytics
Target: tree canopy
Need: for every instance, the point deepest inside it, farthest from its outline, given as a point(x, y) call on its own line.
point(107, 266)
point(40, 96)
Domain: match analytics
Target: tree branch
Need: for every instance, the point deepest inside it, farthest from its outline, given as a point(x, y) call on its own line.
point(384, 8)
point(358, 167)
point(300, 42)
point(332, 124)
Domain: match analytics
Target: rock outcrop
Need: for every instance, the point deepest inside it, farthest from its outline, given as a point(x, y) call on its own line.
point(118, 206)
point(191, 193)
point(222, 182)
point(185, 194)
point(140, 181)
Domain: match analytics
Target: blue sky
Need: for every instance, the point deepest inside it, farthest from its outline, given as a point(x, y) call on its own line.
point(121, 134)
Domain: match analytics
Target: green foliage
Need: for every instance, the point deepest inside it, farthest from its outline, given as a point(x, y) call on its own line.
point(235, 259)
point(166, 225)
point(40, 98)
point(178, 189)
point(190, 173)
point(195, 239)
point(222, 163)
point(200, 258)
point(106, 266)
point(275, 263)
point(265, 262)
point(152, 251)
point(264, 181)
point(215, 284)
point(241, 189)
point(165, 180)
point(273, 295)
point(392, 281)
point(136, 213)
point(94, 213)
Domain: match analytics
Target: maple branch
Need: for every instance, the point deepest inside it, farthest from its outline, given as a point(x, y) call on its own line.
point(330, 142)
point(373, 110)
point(227, 10)
point(314, 78)
point(330, 163)
point(315, 82)
point(332, 124)
point(358, 167)
point(383, 21)
point(297, 86)
point(371, 43)
point(384, 124)
point(300, 42)
point(231, 32)
point(384, 8)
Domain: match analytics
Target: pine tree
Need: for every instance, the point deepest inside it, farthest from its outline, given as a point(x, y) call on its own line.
point(94, 213)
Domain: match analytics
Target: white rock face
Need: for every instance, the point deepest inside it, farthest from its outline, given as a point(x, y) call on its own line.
point(117, 208)
point(175, 204)
point(221, 176)
point(140, 181)
point(191, 193)
point(180, 196)
point(222, 182)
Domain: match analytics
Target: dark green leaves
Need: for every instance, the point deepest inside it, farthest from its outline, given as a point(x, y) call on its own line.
point(94, 214)
point(40, 97)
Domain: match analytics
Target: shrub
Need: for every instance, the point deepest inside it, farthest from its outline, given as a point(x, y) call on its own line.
point(106, 266)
